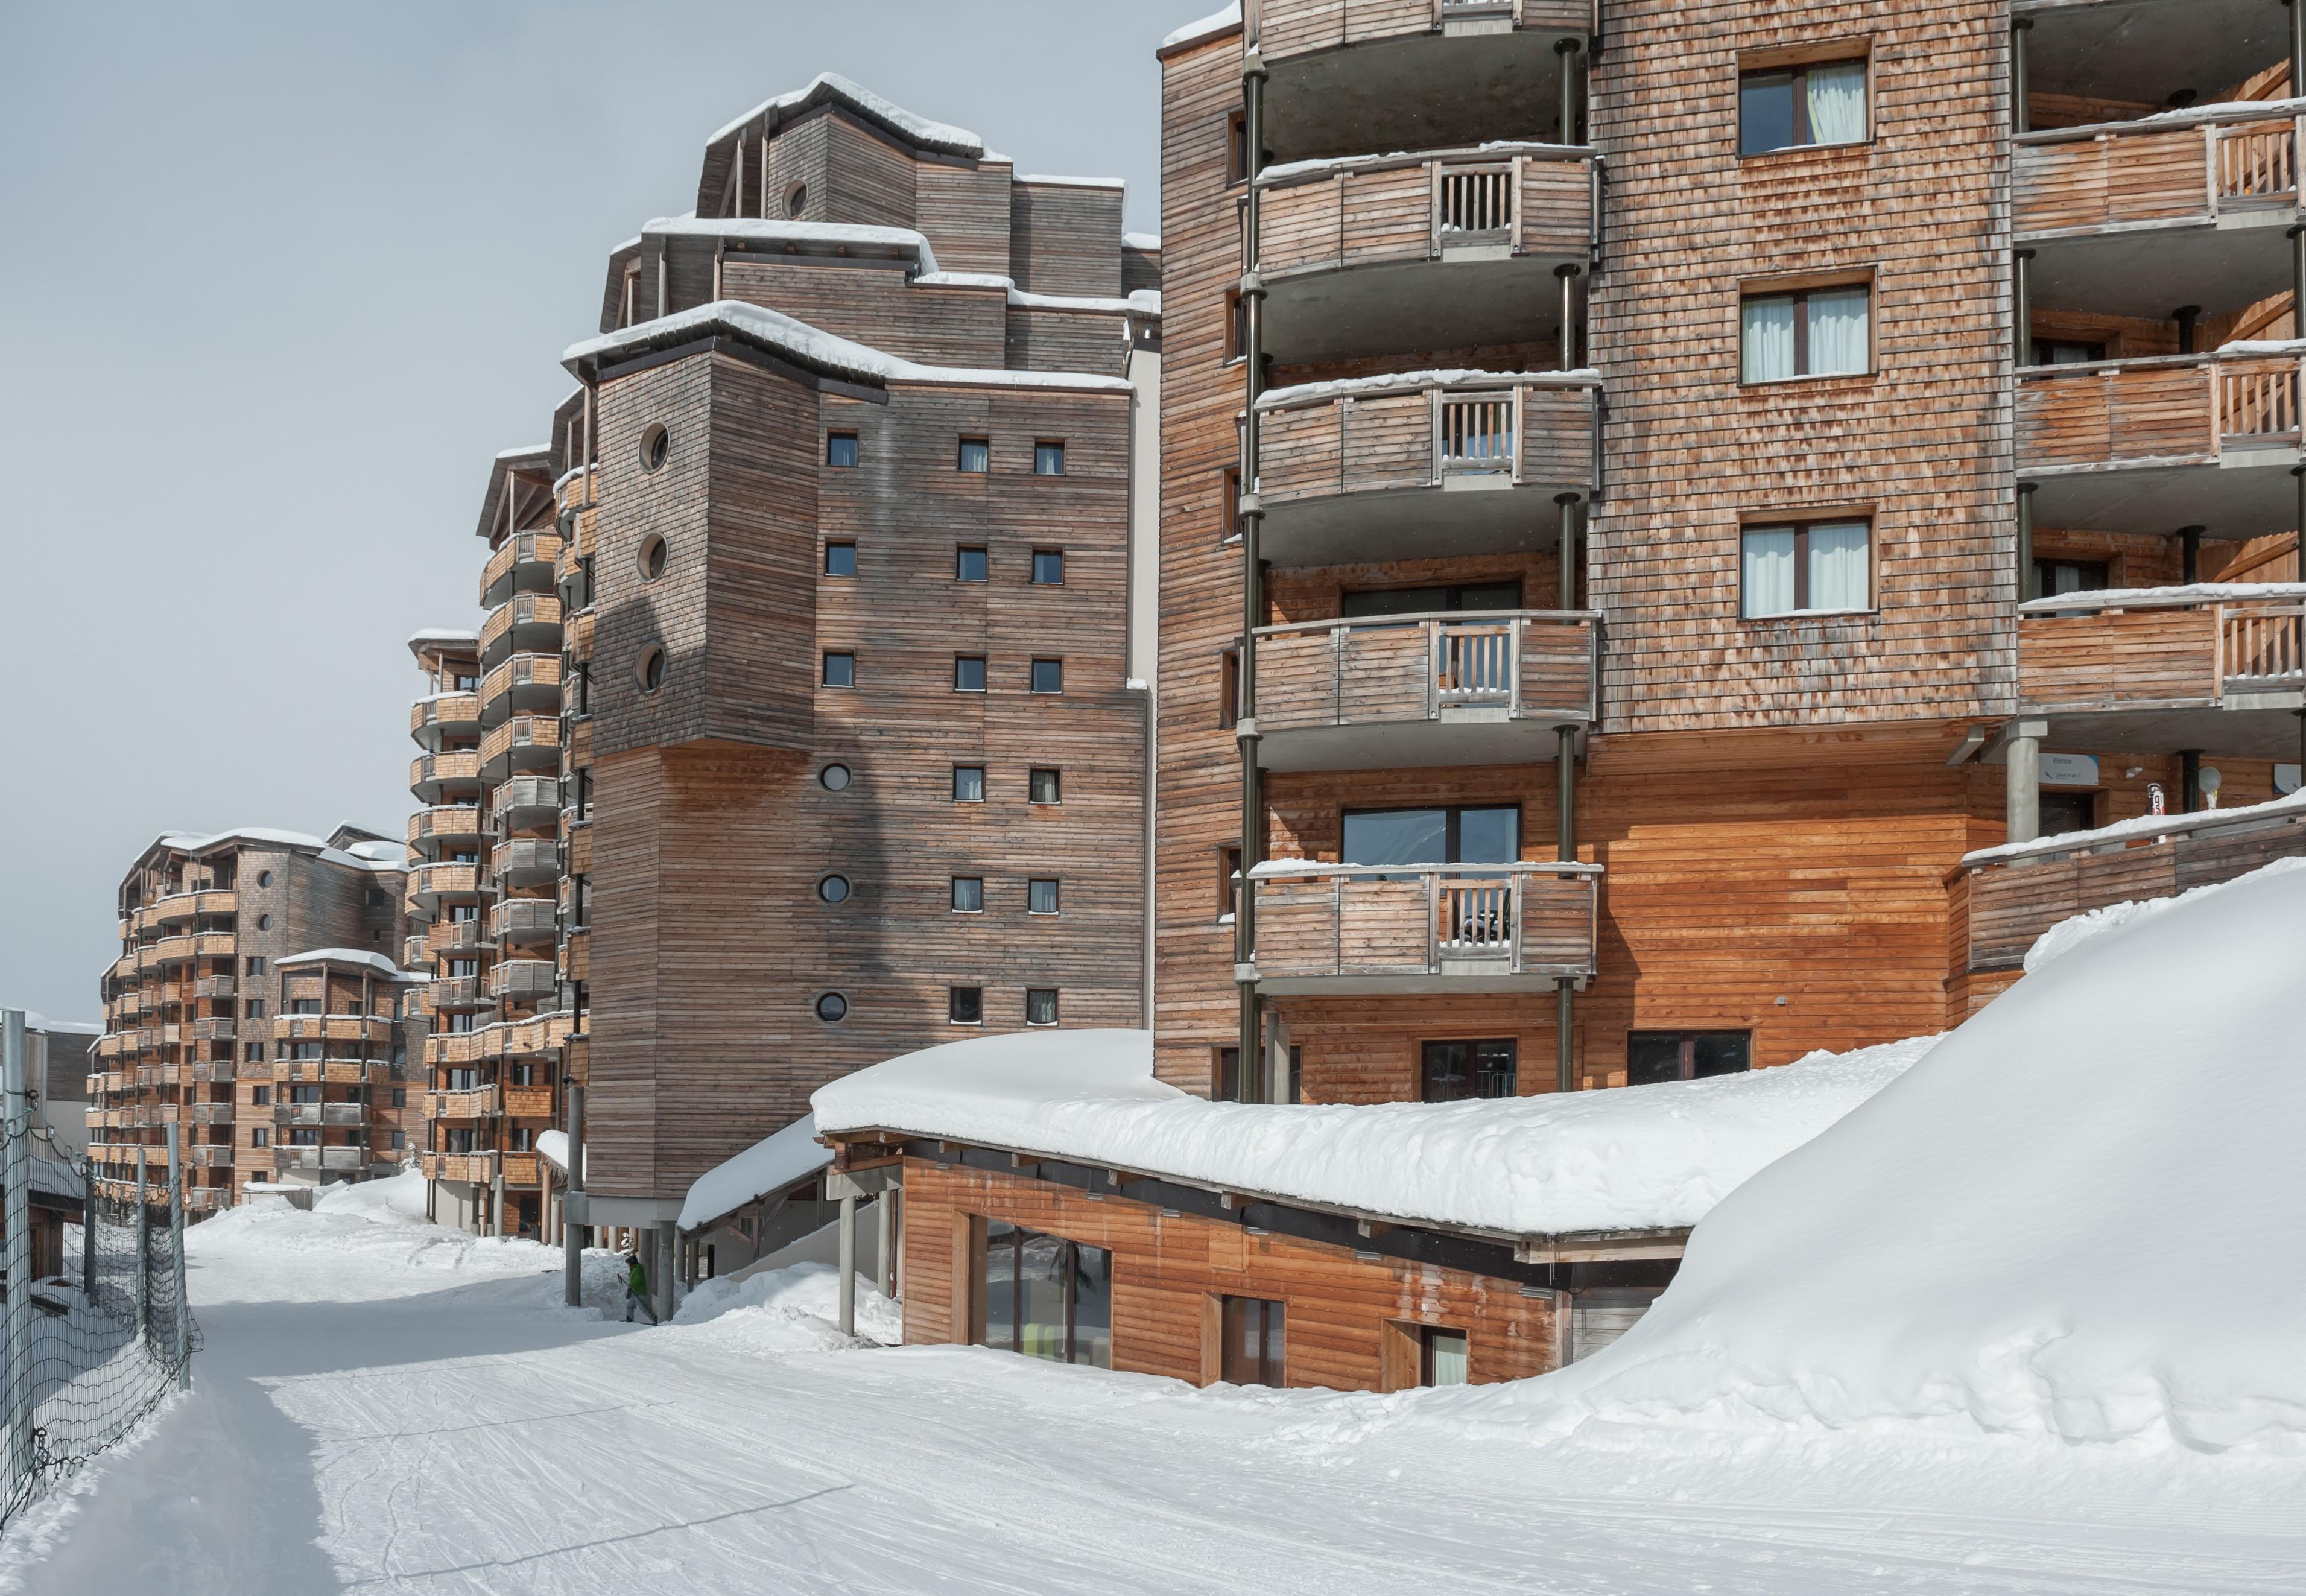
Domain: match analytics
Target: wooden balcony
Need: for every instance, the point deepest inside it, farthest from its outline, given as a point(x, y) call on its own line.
point(1384, 70)
point(2146, 446)
point(524, 979)
point(1422, 464)
point(576, 955)
point(430, 885)
point(525, 744)
point(217, 1027)
point(452, 937)
point(480, 1104)
point(207, 1071)
point(579, 848)
point(339, 1114)
point(204, 944)
point(580, 744)
point(2006, 898)
point(520, 1169)
point(479, 1168)
point(333, 1072)
point(2222, 671)
point(526, 861)
point(2130, 218)
point(332, 1027)
point(1412, 690)
point(444, 825)
point(526, 922)
point(447, 715)
point(1378, 255)
point(524, 683)
point(320, 1159)
point(526, 623)
point(522, 562)
point(1428, 928)
point(436, 774)
point(574, 490)
point(213, 1114)
point(451, 994)
point(528, 1101)
point(215, 987)
point(525, 803)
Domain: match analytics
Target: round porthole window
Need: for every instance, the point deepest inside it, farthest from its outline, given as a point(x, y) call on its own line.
point(831, 1007)
point(833, 889)
point(652, 558)
point(835, 778)
point(797, 198)
point(649, 672)
point(264, 878)
point(264, 921)
point(656, 443)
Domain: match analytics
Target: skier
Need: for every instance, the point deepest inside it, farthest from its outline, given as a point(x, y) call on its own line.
point(637, 1288)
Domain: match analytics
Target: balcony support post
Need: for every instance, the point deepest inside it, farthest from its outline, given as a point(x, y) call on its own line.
point(1248, 1076)
point(1567, 50)
point(2021, 308)
point(2022, 118)
point(668, 1249)
point(2023, 793)
point(2297, 44)
point(2189, 553)
point(495, 1201)
point(1568, 550)
point(1568, 276)
point(2025, 539)
point(2297, 236)
point(2186, 317)
point(847, 1256)
point(2190, 779)
point(884, 1243)
point(181, 1310)
point(572, 1236)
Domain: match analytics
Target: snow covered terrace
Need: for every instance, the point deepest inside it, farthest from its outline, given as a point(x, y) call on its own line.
point(1614, 1175)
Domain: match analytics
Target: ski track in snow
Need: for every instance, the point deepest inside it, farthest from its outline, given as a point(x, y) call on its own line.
point(390, 1410)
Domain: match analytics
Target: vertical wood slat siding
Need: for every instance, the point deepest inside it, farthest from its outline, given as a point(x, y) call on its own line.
point(1167, 1269)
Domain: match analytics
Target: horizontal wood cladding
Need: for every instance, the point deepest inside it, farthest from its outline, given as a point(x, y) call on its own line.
point(964, 212)
point(1925, 439)
point(2177, 409)
point(2109, 662)
point(1391, 215)
point(1168, 1270)
point(1064, 238)
point(2143, 175)
point(877, 305)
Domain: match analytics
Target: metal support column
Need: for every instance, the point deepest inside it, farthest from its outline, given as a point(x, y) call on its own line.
point(2297, 45)
point(2025, 540)
point(2189, 553)
point(1568, 276)
point(2022, 118)
point(496, 1200)
point(2022, 805)
point(16, 1109)
point(2190, 779)
point(1567, 50)
point(572, 1233)
point(1248, 1074)
point(848, 1265)
point(2186, 317)
point(143, 1253)
point(884, 1243)
point(88, 1230)
point(668, 1249)
point(182, 1349)
point(2022, 309)
point(2297, 236)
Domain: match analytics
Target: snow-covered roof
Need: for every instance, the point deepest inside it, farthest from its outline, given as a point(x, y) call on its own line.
point(359, 956)
point(2264, 346)
point(1645, 1157)
point(526, 451)
point(1056, 181)
point(826, 353)
point(34, 1021)
point(1140, 240)
point(1207, 26)
point(769, 1166)
point(552, 1146)
point(2148, 598)
point(196, 843)
point(2221, 111)
point(2142, 825)
point(776, 230)
point(1306, 393)
point(1287, 170)
point(832, 88)
point(442, 637)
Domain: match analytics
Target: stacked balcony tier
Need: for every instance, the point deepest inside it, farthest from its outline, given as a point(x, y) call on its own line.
point(1339, 929)
point(522, 563)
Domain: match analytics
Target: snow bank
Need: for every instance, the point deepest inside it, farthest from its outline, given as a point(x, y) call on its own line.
point(2067, 935)
point(770, 1164)
point(398, 1199)
point(2082, 1217)
point(1637, 1158)
point(794, 1310)
point(2142, 825)
point(2139, 598)
point(1207, 26)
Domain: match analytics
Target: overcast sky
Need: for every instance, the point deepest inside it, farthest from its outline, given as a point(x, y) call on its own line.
point(280, 279)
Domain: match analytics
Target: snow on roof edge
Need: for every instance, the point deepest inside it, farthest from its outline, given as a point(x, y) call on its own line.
point(1057, 180)
point(1140, 240)
point(1273, 398)
point(770, 1164)
point(2142, 825)
point(831, 85)
point(1207, 26)
point(361, 956)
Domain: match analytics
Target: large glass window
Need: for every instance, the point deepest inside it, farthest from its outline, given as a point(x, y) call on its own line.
point(1046, 1297)
point(1812, 332)
point(1809, 566)
point(1254, 1341)
point(1654, 1056)
point(1821, 102)
point(1442, 1358)
point(1453, 836)
point(1457, 1070)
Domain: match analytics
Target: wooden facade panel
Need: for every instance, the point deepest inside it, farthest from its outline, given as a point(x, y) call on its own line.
point(1303, 227)
point(1556, 667)
point(1296, 682)
point(1385, 673)
point(964, 212)
point(1384, 926)
point(1557, 434)
point(1388, 215)
point(2106, 661)
point(1065, 239)
point(2157, 412)
point(1557, 921)
point(1385, 441)
point(1556, 205)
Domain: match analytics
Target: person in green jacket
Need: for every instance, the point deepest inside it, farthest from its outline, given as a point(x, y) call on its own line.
point(637, 1288)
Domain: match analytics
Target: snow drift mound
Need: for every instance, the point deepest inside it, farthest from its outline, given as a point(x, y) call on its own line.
point(2082, 1216)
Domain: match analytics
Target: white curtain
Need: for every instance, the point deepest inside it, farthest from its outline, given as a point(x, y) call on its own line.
point(1837, 330)
point(1837, 567)
point(1768, 574)
point(1837, 103)
point(1767, 339)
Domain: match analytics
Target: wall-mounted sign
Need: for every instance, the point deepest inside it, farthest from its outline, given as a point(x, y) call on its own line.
point(2069, 770)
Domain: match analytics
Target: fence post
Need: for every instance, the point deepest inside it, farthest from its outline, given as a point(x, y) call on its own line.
point(184, 1310)
point(143, 1255)
point(88, 1230)
point(16, 1411)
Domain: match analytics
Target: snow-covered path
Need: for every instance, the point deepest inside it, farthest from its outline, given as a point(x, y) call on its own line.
point(382, 1408)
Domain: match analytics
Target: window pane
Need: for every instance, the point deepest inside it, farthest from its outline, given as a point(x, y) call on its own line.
point(1041, 1006)
point(1653, 1056)
point(1042, 899)
point(968, 893)
point(841, 671)
point(1397, 837)
point(976, 455)
point(1444, 1357)
point(1767, 339)
point(1093, 1307)
point(1496, 1068)
point(1837, 103)
point(1000, 1286)
point(1448, 1072)
point(1765, 112)
point(969, 565)
point(966, 1005)
point(1045, 787)
point(1837, 567)
point(840, 560)
point(1041, 1270)
point(968, 784)
point(1488, 836)
point(1837, 330)
point(1721, 1052)
point(841, 448)
point(1049, 459)
point(1049, 567)
point(1272, 1364)
point(1048, 676)
point(968, 674)
point(1766, 576)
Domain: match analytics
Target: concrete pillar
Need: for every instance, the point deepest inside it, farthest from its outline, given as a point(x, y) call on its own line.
point(890, 1238)
point(572, 1236)
point(847, 1234)
point(668, 1247)
point(2024, 787)
point(495, 1203)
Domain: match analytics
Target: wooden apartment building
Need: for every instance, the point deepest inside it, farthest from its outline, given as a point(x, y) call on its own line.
point(256, 1004)
point(1648, 489)
point(803, 726)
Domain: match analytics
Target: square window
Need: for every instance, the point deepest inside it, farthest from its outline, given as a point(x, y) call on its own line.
point(840, 449)
point(976, 456)
point(839, 671)
point(1041, 1005)
point(967, 894)
point(1814, 332)
point(1048, 567)
point(1041, 896)
point(1049, 459)
point(1048, 676)
point(969, 565)
point(1811, 568)
point(1229, 882)
point(968, 783)
point(1455, 1070)
point(969, 673)
point(399, 1141)
point(965, 1006)
point(1047, 786)
point(840, 560)
point(1821, 102)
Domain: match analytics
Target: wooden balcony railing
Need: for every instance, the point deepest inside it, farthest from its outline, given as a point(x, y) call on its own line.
point(1282, 28)
point(2077, 179)
point(332, 1027)
point(480, 1168)
point(1527, 198)
point(525, 979)
point(528, 1101)
point(1526, 663)
point(527, 858)
point(2009, 896)
point(539, 674)
point(457, 712)
point(521, 552)
point(2166, 409)
point(528, 742)
point(443, 823)
point(436, 881)
point(527, 622)
point(524, 920)
point(1332, 926)
point(426, 775)
point(479, 1104)
point(2176, 648)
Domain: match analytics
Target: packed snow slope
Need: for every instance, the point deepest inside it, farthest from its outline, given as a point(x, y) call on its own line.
point(2081, 1216)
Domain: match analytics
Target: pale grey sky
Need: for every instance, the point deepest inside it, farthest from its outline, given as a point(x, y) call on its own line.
point(280, 279)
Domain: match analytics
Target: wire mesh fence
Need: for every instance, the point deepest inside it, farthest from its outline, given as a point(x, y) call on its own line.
point(95, 1330)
